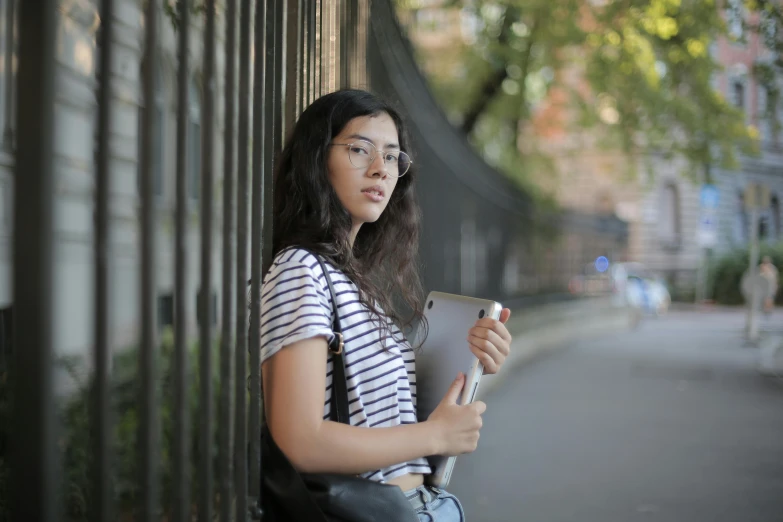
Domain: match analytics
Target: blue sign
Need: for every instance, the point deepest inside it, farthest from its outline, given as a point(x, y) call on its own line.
point(709, 196)
point(601, 264)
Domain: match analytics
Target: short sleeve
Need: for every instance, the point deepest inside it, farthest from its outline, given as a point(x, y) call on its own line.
point(294, 305)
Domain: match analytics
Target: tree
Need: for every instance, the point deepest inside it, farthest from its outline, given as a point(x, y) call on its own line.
point(635, 73)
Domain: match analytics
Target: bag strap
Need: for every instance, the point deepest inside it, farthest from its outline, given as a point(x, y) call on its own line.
point(339, 402)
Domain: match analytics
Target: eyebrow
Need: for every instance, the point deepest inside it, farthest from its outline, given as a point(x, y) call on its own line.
point(365, 138)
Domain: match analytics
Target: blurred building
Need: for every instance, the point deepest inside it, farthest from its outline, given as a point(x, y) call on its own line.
point(661, 201)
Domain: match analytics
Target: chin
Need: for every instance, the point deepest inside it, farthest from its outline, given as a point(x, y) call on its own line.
point(367, 217)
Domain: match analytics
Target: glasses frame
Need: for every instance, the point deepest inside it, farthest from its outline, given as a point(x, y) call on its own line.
point(372, 158)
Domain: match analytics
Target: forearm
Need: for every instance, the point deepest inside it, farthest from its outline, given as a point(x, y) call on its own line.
point(339, 448)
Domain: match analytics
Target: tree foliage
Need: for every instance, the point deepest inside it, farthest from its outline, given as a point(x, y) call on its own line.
point(637, 75)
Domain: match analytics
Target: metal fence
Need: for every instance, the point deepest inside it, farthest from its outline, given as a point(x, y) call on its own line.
point(158, 416)
point(274, 59)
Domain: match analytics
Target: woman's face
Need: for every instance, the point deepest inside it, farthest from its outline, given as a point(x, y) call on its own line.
point(363, 191)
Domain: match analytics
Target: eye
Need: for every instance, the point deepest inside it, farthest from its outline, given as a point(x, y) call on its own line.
point(391, 158)
point(360, 150)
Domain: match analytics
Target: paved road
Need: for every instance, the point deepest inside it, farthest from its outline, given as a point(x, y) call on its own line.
point(669, 423)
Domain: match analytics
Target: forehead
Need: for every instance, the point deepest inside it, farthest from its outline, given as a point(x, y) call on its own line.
point(379, 129)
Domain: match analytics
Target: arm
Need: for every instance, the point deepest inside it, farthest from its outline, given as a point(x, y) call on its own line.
point(294, 383)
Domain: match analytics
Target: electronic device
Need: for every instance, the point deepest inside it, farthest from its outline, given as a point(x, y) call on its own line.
point(444, 353)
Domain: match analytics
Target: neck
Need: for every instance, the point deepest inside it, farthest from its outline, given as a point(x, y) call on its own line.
point(354, 231)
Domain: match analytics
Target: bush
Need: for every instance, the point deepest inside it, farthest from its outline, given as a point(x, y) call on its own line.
point(75, 436)
point(725, 273)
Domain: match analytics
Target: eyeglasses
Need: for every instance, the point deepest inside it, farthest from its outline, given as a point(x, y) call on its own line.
point(362, 153)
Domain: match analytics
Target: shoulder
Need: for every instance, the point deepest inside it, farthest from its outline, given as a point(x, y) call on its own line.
point(295, 259)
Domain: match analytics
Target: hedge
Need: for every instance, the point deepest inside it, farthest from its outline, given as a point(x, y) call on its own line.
point(725, 273)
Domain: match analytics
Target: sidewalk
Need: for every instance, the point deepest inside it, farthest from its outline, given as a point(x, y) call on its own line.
point(542, 328)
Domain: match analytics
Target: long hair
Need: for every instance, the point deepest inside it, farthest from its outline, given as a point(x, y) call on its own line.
point(307, 212)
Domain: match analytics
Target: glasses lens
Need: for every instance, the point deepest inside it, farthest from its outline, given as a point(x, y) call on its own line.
point(403, 163)
point(361, 154)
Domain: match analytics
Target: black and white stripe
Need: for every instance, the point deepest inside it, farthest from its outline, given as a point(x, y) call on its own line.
point(380, 368)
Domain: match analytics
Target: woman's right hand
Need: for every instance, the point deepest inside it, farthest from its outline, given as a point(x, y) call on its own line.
point(456, 427)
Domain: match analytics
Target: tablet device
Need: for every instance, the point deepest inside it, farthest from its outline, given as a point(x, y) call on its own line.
point(444, 353)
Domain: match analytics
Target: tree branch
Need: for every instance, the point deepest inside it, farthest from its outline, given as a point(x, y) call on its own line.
point(491, 87)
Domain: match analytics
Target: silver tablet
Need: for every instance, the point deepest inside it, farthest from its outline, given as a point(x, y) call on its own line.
point(443, 355)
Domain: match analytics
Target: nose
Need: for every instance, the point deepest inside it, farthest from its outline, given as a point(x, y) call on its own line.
point(377, 168)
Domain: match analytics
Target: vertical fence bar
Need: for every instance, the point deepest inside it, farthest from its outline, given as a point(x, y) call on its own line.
point(277, 143)
point(226, 335)
point(353, 33)
point(148, 435)
point(304, 77)
point(181, 445)
point(8, 128)
point(35, 470)
point(278, 125)
point(261, 77)
point(101, 426)
point(312, 50)
point(344, 39)
point(317, 55)
point(294, 65)
point(205, 310)
point(323, 52)
point(361, 46)
point(243, 144)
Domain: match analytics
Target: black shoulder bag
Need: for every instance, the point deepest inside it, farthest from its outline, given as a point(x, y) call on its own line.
point(288, 495)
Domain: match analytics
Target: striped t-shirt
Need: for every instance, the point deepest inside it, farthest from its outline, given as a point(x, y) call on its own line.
point(296, 305)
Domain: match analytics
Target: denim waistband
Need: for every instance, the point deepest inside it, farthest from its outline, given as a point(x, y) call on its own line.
point(421, 496)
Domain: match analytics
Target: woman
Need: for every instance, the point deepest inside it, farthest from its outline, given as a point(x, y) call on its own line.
point(345, 190)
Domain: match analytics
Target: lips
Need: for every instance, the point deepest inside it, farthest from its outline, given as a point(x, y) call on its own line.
point(376, 190)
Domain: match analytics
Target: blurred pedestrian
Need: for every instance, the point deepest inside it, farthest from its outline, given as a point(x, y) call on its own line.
point(769, 272)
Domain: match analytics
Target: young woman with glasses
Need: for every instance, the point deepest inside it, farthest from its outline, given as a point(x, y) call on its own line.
point(344, 190)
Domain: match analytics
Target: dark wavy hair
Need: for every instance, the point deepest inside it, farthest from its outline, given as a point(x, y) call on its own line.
point(383, 262)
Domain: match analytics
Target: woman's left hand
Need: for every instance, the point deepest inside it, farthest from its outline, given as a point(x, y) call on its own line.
point(490, 341)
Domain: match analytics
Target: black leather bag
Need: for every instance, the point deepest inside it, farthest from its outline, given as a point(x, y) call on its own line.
point(288, 495)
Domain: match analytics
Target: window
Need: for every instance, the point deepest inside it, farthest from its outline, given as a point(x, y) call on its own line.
point(764, 232)
point(734, 19)
point(768, 29)
point(768, 117)
point(8, 57)
point(194, 142)
point(738, 94)
point(741, 230)
point(670, 215)
point(158, 129)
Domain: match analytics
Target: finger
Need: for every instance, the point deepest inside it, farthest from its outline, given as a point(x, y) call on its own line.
point(498, 349)
point(494, 325)
point(455, 389)
point(492, 337)
point(480, 407)
point(505, 315)
point(490, 366)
